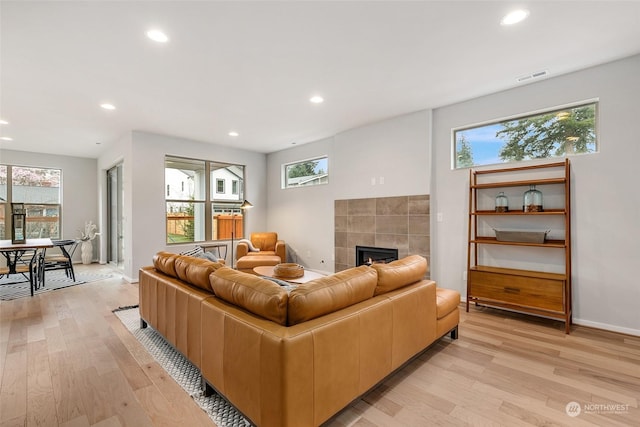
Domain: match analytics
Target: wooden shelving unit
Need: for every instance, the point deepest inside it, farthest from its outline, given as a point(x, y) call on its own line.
point(532, 291)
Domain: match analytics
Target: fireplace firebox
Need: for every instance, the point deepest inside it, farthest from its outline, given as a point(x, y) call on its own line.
point(367, 255)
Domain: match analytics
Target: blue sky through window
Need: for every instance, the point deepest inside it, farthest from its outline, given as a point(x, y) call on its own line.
point(485, 146)
point(554, 133)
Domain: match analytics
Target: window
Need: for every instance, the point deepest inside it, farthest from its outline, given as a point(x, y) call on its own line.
point(39, 190)
point(202, 210)
point(306, 172)
point(234, 186)
point(555, 133)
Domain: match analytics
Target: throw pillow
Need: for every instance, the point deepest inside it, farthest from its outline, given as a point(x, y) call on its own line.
point(249, 244)
point(285, 285)
point(207, 255)
point(193, 252)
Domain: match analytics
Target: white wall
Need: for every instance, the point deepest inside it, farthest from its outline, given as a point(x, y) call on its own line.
point(143, 168)
point(605, 207)
point(396, 150)
point(79, 183)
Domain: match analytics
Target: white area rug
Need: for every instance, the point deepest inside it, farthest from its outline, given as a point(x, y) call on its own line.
point(181, 370)
point(17, 285)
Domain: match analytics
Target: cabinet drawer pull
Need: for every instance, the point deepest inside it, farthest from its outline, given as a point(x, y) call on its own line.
point(512, 290)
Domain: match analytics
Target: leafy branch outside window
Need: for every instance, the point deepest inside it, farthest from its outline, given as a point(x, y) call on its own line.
point(553, 134)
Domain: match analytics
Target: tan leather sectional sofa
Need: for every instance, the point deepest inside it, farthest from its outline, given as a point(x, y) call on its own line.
point(296, 357)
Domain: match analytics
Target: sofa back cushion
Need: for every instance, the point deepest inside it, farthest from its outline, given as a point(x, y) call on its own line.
point(195, 271)
point(265, 241)
point(165, 262)
point(252, 293)
point(399, 273)
point(328, 294)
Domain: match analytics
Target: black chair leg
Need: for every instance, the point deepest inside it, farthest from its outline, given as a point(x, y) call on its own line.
point(73, 274)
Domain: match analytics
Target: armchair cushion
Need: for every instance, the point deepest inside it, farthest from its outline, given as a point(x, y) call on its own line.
point(265, 241)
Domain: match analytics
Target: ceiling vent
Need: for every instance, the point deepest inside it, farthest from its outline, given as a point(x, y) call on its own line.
point(532, 76)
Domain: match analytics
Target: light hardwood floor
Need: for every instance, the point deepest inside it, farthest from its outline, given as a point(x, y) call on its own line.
point(66, 360)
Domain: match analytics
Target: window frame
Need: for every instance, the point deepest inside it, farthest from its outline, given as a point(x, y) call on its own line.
point(284, 181)
point(220, 185)
point(528, 115)
point(209, 204)
point(5, 205)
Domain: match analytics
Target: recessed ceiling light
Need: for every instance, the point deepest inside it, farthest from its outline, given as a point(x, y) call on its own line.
point(157, 36)
point(107, 106)
point(3, 122)
point(316, 99)
point(233, 133)
point(6, 138)
point(514, 17)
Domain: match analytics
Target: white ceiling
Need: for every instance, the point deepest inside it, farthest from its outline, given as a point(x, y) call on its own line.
point(252, 66)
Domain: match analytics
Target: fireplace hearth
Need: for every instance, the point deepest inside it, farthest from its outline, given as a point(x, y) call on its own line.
point(367, 255)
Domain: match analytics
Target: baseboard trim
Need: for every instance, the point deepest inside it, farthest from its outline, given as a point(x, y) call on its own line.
point(607, 327)
point(582, 322)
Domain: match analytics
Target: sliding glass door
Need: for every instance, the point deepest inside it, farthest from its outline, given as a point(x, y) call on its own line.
point(115, 197)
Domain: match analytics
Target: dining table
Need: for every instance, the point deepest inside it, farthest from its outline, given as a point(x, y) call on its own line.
point(14, 253)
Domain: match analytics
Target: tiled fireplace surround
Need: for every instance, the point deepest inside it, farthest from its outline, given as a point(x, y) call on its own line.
point(388, 222)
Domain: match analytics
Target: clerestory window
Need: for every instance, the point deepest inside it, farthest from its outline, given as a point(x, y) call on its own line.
point(557, 132)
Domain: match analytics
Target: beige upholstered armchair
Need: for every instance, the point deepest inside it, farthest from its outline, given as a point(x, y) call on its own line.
point(266, 243)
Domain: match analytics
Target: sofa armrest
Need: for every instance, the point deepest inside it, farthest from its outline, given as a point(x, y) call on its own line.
point(241, 250)
point(281, 250)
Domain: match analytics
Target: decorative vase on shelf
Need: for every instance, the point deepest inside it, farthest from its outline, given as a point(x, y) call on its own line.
point(86, 251)
point(502, 202)
point(532, 200)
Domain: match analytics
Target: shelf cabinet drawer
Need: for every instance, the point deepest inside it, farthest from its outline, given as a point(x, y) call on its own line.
point(536, 292)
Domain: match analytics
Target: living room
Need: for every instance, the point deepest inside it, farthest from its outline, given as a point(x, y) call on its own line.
point(602, 277)
point(405, 155)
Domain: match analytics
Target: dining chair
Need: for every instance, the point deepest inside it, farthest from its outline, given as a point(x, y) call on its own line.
point(26, 261)
point(61, 260)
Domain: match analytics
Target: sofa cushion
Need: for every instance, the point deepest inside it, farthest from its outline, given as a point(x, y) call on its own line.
point(196, 271)
point(253, 293)
point(166, 263)
point(447, 300)
point(331, 293)
point(399, 273)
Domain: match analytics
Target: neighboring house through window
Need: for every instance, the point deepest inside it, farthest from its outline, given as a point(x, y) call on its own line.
point(39, 189)
point(204, 209)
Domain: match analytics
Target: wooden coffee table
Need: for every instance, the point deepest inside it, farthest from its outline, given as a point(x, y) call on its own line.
point(267, 270)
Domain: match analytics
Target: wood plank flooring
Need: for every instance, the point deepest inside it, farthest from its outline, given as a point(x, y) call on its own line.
point(66, 360)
